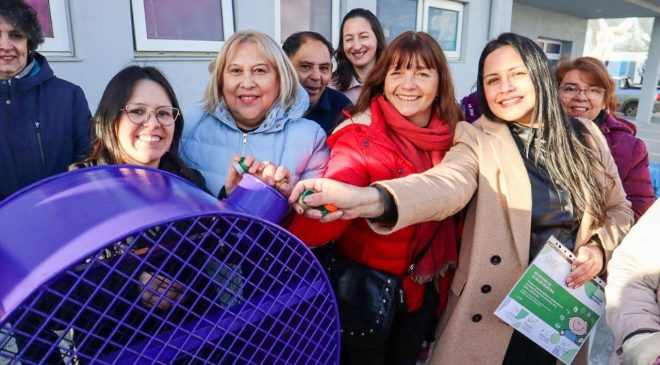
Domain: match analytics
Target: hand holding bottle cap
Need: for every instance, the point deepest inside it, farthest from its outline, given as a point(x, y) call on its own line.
point(240, 166)
point(242, 169)
point(325, 208)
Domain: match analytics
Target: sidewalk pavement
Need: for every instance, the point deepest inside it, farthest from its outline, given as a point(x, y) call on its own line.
point(650, 134)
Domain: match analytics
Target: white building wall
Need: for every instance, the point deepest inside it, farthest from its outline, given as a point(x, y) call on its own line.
point(537, 23)
point(247, 17)
point(103, 42)
point(475, 33)
point(102, 34)
point(365, 4)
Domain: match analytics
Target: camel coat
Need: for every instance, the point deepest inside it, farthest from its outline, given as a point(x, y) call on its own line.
point(485, 171)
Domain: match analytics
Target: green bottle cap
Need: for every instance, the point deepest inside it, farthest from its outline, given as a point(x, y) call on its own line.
point(302, 196)
point(240, 166)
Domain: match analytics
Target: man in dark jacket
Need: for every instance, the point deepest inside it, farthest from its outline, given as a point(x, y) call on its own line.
point(311, 55)
point(44, 121)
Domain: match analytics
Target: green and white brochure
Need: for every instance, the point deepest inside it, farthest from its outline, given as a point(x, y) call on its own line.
point(544, 309)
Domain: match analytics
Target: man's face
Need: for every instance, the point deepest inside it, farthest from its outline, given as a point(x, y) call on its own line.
point(314, 65)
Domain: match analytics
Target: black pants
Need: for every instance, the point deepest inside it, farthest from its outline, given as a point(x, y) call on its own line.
point(403, 346)
point(523, 351)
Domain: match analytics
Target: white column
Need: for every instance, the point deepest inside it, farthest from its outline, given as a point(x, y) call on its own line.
point(500, 17)
point(649, 85)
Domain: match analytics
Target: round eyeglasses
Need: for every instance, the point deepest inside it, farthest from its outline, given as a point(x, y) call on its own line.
point(139, 114)
point(592, 93)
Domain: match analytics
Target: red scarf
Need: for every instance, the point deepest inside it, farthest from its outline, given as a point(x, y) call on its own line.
point(424, 148)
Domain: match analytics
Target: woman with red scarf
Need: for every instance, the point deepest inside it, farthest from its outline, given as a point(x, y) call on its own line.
point(402, 124)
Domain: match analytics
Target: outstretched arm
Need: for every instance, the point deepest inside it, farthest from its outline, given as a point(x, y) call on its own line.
point(352, 201)
point(432, 195)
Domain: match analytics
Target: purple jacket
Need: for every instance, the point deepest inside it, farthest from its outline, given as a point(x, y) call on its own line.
point(632, 161)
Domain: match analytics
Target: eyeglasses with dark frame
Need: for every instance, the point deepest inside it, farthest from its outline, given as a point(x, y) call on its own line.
point(140, 114)
point(592, 93)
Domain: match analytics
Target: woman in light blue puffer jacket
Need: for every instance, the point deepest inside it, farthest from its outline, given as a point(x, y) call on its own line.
point(253, 105)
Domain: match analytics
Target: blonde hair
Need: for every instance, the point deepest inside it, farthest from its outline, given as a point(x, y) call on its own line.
point(287, 75)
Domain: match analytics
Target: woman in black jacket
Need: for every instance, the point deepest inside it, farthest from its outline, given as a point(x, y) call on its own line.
point(44, 120)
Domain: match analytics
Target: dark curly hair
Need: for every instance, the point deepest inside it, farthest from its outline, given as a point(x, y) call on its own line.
point(24, 18)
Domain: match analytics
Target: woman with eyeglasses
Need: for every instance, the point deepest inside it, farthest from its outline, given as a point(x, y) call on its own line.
point(138, 122)
point(587, 91)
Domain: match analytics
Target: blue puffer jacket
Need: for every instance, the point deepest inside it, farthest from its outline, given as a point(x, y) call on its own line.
point(283, 138)
point(44, 127)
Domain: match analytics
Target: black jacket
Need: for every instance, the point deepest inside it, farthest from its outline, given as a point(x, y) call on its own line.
point(44, 127)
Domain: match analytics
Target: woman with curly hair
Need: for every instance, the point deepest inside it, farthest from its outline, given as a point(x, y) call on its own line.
point(45, 120)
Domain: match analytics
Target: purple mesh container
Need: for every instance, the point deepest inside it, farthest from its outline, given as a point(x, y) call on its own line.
point(132, 265)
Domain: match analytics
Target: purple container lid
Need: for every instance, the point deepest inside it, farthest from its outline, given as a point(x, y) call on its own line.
point(253, 196)
point(65, 218)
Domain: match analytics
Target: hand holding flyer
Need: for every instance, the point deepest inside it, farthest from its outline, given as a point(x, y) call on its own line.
point(548, 312)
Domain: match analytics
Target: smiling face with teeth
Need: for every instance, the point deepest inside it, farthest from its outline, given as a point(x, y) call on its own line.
point(508, 87)
point(250, 85)
point(145, 144)
point(13, 50)
point(412, 91)
point(580, 105)
point(360, 43)
point(313, 62)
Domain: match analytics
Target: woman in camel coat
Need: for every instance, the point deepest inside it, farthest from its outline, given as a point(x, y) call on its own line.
point(525, 171)
point(499, 211)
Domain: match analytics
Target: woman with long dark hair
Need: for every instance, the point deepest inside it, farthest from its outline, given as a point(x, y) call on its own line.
point(525, 171)
point(138, 121)
point(361, 42)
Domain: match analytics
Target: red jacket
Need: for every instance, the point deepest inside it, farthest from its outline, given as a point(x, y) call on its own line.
point(632, 161)
point(361, 154)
